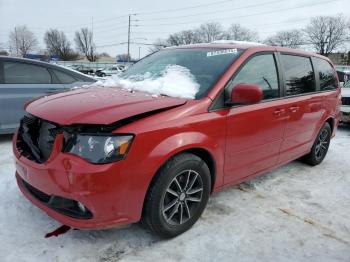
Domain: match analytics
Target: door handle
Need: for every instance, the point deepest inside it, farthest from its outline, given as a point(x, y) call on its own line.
point(279, 112)
point(294, 109)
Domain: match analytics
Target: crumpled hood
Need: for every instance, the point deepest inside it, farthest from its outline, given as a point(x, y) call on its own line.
point(97, 105)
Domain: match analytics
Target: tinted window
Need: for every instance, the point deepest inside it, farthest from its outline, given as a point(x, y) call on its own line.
point(260, 70)
point(22, 73)
point(64, 78)
point(299, 75)
point(326, 74)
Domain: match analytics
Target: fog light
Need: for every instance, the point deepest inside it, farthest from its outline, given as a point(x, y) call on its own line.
point(81, 207)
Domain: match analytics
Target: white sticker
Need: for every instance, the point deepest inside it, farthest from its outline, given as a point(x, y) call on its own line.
point(222, 52)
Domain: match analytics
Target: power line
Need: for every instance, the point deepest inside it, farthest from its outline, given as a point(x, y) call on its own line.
point(243, 16)
point(212, 12)
point(97, 21)
point(183, 8)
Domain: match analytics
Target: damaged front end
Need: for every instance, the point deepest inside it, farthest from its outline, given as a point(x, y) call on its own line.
point(37, 136)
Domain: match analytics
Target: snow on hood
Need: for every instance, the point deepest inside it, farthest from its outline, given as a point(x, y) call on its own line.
point(174, 81)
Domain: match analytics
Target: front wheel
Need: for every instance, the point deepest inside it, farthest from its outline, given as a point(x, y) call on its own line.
point(178, 196)
point(320, 147)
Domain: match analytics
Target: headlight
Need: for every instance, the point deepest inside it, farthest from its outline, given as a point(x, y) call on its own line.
point(98, 149)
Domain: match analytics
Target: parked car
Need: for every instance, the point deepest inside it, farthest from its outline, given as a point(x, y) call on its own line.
point(22, 80)
point(108, 71)
point(345, 108)
point(107, 157)
point(82, 69)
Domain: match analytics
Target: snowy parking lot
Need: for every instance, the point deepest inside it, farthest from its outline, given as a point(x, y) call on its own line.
point(295, 213)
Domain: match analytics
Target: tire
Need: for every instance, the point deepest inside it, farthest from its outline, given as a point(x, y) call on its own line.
point(103, 75)
point(320, 147)
point(177, 196)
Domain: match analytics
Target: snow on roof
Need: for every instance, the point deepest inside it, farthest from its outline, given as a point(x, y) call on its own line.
point(237, 42)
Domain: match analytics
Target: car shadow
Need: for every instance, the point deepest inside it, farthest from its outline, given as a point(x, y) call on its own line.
point(5, 138)
point(344, 127)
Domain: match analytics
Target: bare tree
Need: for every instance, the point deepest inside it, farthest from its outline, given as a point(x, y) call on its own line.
point(240, 33)
point(326, 33)
point(22, 41)
point(210, 32)
point(158, 45)
point(288, 38)
point(58, 44)
point(184, 37)
point(84, 42)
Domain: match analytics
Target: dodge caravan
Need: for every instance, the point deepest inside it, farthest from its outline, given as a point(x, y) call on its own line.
point(151, 149)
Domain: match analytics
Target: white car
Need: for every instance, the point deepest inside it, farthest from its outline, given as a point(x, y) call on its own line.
point(345, 108)
point(108, 71)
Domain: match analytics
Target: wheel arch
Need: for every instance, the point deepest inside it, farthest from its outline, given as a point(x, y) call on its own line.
point(202, 153)
point(331, 122)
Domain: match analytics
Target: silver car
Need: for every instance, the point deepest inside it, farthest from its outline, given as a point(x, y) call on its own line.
point(23, 80)
point(345, 108)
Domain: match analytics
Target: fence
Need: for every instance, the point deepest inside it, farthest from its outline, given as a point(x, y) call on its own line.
point(92, 65)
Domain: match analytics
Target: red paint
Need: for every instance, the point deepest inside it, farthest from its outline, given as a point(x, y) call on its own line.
point(246, 94)
point(244, 141)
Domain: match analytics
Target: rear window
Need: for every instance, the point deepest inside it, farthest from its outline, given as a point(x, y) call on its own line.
point(299, 75)
point(64, 78)
point(326, 73)
point(23, 73)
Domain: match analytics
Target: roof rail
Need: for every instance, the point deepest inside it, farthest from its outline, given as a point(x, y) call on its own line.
point(236, 42)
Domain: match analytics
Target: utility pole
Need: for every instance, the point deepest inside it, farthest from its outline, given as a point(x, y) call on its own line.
point(129, 39)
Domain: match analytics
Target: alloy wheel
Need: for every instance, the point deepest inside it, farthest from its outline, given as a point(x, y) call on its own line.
point(322, 144)
point(182, 197)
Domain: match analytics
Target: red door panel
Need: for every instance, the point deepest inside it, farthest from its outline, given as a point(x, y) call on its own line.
point(304, 114)
point(254, 137)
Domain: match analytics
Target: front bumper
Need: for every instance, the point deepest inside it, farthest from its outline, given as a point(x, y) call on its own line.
point(109, 192)
point(345, 114)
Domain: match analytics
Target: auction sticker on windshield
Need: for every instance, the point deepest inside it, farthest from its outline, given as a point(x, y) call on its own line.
point(222, 52)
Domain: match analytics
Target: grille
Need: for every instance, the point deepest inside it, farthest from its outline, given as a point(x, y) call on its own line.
point(36, 138)
point(345, 101)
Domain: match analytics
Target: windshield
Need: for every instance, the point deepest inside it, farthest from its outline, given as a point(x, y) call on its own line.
point(190, 71)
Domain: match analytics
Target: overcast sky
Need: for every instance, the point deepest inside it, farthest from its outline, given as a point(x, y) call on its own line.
point(157, 18)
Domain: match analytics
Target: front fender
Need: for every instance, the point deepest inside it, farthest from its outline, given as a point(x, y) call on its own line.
point(180, 142)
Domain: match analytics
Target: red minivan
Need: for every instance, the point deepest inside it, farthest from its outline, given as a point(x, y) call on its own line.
point(101, 157)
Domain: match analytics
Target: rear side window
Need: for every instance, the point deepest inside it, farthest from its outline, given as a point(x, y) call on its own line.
point(23, 73)
point(326, 74)
point(64, 78)
point(260, 70)
point(299, 75)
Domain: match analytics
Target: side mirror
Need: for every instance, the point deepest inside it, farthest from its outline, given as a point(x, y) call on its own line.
point(246, 94)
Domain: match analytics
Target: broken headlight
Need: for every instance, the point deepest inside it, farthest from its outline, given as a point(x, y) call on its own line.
point(98, 149)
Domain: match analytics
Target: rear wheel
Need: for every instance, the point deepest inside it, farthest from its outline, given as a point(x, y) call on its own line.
point(178, 196)
point(320, 147)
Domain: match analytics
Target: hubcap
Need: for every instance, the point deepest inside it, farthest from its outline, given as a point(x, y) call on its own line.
point(182, 197)
point(322, 144)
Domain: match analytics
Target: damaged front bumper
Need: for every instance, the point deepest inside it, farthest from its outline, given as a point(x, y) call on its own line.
point(77, 193)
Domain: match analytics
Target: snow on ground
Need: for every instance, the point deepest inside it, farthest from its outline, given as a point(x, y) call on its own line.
point(174, 81)
point(295, 213)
